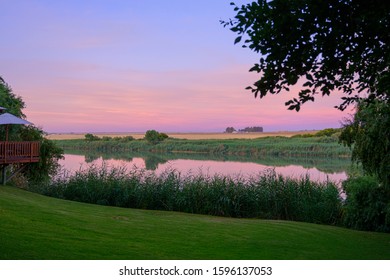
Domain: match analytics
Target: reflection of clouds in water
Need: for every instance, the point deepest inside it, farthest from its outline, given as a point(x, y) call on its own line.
point(251, 169)
point(76, 162)
point(206, 167)
point(296, 171)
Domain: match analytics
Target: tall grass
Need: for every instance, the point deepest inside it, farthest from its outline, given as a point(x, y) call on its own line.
point(268, 196)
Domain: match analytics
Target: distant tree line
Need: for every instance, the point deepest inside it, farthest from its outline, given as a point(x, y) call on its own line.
point(152, 136)
point(246, 129)
point(91, 137)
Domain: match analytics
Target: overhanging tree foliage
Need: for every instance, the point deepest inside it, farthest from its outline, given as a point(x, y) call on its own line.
point(328, 46)
point(333, 45)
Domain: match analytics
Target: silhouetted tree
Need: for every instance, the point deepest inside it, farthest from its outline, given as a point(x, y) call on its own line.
point(230, 129)
point(328, 46)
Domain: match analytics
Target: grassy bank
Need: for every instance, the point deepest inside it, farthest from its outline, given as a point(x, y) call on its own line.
point(39, 227)
point(277, 146)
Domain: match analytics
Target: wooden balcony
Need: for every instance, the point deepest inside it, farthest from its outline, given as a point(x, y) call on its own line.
point(19, 152)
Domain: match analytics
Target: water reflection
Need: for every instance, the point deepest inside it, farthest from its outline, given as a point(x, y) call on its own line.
point(318, 169)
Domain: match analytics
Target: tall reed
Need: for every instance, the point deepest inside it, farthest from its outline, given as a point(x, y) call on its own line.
point(267, 195)
point(276, 146)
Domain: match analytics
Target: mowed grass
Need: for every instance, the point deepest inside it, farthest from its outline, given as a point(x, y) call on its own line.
point(33, 226)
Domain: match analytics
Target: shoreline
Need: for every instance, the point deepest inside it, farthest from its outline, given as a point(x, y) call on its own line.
point(184, 135)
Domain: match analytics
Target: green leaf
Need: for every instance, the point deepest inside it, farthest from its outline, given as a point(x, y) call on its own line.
point(309, 77)
point(255, 68)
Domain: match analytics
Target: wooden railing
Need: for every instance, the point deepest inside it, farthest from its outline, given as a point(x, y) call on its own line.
point(19, 152)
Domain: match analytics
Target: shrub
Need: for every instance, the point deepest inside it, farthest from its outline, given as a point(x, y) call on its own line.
point(327, 132)
point(107, 138)
point(367, 206)
point(125, 139)
point(91, 137)
point(154, 137)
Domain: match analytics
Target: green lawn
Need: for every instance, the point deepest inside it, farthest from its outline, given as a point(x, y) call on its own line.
point(38, 227)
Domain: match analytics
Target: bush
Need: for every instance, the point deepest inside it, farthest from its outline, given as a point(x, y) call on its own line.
point(327, 132)
point(107, 138)
point(91, 137)
point(154, 137)
point(125, 139)
point(367, 206)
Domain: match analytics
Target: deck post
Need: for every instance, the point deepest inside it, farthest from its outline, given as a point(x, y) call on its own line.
point(4, 174)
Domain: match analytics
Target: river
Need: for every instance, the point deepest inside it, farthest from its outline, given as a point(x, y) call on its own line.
point(318, 169)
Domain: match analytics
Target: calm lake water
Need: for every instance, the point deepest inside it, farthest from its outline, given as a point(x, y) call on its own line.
point(318, 169)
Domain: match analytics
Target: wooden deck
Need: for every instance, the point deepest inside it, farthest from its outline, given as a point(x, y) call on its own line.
point(19, 152)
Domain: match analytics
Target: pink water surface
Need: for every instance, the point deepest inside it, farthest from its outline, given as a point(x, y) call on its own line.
point(209, 167)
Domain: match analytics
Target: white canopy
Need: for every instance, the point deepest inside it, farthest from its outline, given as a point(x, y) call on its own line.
point(8, 118)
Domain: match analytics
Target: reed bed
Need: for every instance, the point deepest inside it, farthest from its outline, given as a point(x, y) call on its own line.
point(275, 146)
point(266, 196)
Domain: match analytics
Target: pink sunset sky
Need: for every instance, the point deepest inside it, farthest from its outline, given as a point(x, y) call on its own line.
point(130, 66)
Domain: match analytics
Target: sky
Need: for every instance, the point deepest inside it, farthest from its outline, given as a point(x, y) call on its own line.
point(131, 66)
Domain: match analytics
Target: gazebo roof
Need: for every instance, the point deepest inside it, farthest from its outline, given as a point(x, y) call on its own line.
point(8, 118)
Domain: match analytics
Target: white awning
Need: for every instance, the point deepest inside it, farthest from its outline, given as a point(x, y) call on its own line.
point(8, 118)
